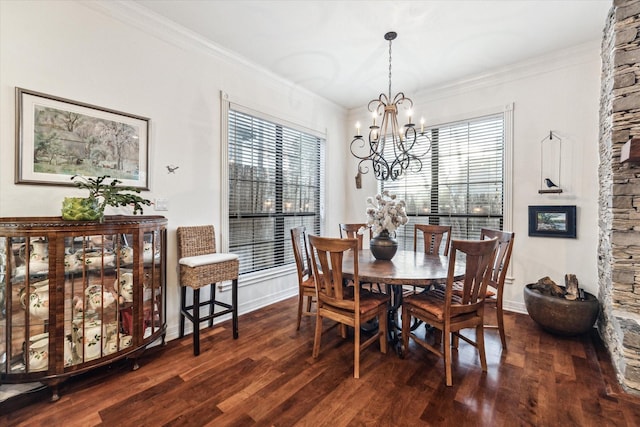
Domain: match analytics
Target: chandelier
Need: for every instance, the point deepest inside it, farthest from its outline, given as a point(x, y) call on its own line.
point(392, 150)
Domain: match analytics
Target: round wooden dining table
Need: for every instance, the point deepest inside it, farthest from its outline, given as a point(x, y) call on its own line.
point(406, 268)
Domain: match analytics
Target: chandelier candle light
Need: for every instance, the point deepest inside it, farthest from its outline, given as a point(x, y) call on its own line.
point(392, 150)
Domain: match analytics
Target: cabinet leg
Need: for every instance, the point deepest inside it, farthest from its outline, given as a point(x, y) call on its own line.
point(54, 393)
point(53, 385)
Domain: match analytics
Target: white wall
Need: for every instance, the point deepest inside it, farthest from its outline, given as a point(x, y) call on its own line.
point(558, 92)
point(107, 54)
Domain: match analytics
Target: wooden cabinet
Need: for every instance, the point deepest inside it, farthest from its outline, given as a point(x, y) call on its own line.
point(76, 295)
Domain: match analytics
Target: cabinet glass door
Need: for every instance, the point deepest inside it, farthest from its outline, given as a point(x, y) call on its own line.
point(3, 304)
point(93, 319)
point(152, 286)
point(25, 286)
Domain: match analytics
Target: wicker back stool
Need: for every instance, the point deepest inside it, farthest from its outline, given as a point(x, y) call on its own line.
point(201, 266)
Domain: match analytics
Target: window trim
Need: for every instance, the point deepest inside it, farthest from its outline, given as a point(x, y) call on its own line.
point(507, 110)
point(223, 242)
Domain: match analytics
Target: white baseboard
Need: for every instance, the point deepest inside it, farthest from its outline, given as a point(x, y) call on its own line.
point(517, 307)
point(243, 308)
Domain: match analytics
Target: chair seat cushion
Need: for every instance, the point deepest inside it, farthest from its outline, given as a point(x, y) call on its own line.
point(370, 300)
point(309, 282)
point(431, 301)
point(200, 260)
point(457, 290)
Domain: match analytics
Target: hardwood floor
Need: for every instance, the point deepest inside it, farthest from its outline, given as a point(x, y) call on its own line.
point(268, 378)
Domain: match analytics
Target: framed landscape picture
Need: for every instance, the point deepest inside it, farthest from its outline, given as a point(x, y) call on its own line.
point(57, 138)
point(552, 221)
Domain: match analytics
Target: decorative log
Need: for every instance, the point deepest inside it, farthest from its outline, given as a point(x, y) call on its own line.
point(546, 286)
point(571, 285)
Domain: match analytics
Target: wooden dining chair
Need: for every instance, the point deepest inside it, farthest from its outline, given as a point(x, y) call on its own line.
point(433, 236)
point(449, 312)
point(306, 283)
point(350, 231)
point(499, 274)
point(349, 306)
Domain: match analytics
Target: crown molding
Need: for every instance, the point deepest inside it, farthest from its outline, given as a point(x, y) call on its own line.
point(564, 58)
point(151, 23)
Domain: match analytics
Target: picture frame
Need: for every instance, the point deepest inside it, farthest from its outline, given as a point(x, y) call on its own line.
point(57, 138)
point(552, 221)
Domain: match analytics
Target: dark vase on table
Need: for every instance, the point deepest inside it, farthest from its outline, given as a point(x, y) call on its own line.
point(383, 246)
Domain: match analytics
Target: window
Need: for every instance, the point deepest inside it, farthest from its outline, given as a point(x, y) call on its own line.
point(461, 182)
point(274, 184)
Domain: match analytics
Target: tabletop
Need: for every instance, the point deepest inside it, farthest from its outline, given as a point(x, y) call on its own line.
point(406, 268)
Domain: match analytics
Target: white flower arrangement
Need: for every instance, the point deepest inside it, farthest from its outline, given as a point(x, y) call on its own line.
point(385, 213)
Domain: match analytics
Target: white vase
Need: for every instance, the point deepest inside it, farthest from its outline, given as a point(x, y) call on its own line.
point(92, 339)
point(39, 354)
point(124, 286)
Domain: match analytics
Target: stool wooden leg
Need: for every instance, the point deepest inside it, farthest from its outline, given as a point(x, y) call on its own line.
point(212, 302)
point(196, 322)
point(234, 302)
point(183, 304)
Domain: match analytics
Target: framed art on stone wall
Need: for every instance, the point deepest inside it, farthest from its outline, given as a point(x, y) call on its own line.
point(552, 221)
point(57, 138)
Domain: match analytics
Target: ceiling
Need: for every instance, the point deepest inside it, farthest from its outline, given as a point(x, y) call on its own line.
point(337, 48)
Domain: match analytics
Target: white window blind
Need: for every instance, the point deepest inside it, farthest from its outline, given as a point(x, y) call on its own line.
point(274, 184)
point(461, 182)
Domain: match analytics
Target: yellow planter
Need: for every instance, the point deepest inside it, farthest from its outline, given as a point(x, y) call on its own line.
point(81, 209)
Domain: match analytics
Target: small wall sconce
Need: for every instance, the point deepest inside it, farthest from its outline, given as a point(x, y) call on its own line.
point(630, 151)
point(359, 180)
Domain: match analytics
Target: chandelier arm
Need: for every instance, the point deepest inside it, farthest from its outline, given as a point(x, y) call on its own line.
point(417, 144)
point(362, 167)
point(400, 99)
point(378, 104)
point(410, 136)
point(362, 145)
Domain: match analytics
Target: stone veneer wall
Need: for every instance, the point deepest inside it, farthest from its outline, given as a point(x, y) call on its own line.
point(619, 228)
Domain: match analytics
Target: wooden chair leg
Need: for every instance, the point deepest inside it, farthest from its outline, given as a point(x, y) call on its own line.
point(437, 338)
point(356, 350)
point(183, 304)
point(300, 303)
point(382, 325)
point(196, 322)
point(500, 317)
point(212, 302)
point(406, 328)
point(318, 337)
point(343, 330)
point(480, 345)
point(447, 355)
point(234, 301)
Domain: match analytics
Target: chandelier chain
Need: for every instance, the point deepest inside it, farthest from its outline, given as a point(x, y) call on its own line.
point(390, 69)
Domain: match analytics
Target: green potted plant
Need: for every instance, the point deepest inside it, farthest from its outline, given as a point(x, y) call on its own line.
point(101, 195)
